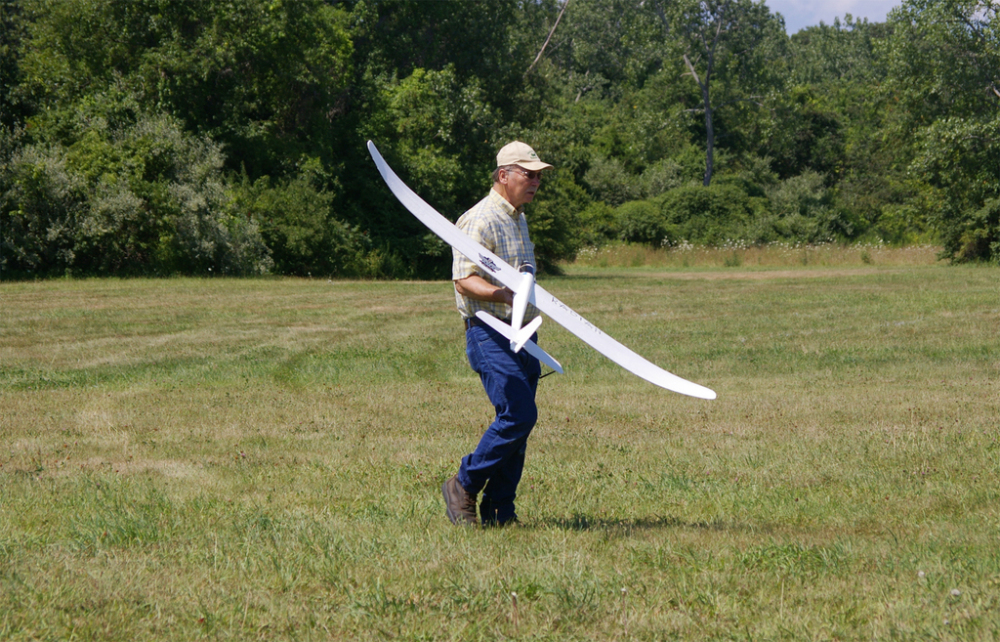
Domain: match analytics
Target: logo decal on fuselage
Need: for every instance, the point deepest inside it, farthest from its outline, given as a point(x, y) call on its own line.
point(488, 263)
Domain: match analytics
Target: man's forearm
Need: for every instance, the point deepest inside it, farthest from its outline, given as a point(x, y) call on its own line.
point(478, 288)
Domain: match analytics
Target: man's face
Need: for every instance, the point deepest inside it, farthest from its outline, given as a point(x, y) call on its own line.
point(522, 185)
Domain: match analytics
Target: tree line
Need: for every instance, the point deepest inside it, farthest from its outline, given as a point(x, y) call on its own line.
point(154, 137)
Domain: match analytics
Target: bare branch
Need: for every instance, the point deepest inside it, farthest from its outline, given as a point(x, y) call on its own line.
point(546, 43)
point(693, 72)
point(583, 89)
point(715, 41)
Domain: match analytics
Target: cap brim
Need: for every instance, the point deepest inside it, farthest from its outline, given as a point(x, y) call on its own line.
point(534, 166)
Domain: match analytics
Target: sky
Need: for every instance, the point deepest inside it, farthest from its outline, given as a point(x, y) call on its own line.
point(807, 13)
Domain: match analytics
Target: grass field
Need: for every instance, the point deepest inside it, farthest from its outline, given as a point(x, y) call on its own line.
point(192, 459)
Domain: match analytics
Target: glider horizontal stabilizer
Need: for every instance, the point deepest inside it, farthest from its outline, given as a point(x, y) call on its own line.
point(529, 345)
point(547, 303)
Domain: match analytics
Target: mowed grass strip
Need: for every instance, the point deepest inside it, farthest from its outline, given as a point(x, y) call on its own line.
point(191, 459)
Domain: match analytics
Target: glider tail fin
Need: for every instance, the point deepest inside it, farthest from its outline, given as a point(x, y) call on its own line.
point(524, 334)
point(529, 345)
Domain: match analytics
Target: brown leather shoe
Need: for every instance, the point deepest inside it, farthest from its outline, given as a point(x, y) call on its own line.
point(460, 505)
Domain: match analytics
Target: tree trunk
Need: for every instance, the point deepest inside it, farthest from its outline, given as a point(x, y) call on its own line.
point(709, 137)
point(709, 128)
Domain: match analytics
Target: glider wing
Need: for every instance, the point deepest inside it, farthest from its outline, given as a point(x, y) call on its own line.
point(543, 300)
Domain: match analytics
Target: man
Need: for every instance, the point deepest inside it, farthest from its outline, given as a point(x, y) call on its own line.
point(497, 223)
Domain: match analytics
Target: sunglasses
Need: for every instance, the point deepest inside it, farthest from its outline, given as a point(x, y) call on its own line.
point(530, 175)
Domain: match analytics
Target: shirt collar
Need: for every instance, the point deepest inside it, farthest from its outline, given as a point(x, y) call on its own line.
point(505, 204)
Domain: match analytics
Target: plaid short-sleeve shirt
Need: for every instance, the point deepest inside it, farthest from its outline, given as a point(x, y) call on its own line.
point(496, 225)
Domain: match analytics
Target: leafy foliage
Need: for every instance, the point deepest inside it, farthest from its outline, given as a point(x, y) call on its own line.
point(554, 219)
point(709, 216)
point(945, 71)
point(124, 198)
point(165, 136)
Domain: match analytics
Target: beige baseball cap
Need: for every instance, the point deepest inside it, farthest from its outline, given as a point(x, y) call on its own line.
point(518, 153)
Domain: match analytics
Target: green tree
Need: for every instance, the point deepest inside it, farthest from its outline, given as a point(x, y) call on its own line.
point(430, 82)
point(732, 49)
point(944, 72)
point(263, 77)
point(554, 219)
point(475, 39)
point(12, 30)
point(827, 104)
point(844, 51)
point(603, 47)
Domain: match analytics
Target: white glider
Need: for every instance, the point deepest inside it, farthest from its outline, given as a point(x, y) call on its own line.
point(537, 295)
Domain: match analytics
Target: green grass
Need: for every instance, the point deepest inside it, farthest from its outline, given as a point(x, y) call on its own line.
point(221, 459)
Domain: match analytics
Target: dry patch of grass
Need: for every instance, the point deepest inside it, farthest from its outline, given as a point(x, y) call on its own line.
point(742, 255)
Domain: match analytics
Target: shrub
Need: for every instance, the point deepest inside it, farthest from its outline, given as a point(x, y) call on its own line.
point(187, 204)
point(709, 215)
point(597, 225)
point(641, 222)
point(296, 223)
point(610, 182)
point(209, 238)
point(139, 196)
point(700, 215)
point(799, 208)
point(980, 238)
point(661, 177)
point(41, 205)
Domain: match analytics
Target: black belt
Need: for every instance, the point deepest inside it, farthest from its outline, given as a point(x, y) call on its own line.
point(471, 321)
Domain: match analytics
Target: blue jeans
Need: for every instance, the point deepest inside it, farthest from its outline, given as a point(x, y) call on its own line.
point(510, 381)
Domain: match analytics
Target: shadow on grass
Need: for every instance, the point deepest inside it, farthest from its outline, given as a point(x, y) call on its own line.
point(627, 526)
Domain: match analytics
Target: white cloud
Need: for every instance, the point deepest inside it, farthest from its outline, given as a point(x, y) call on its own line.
point(799, 14)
